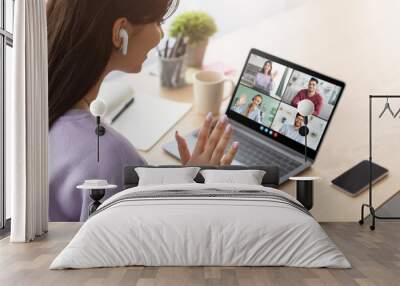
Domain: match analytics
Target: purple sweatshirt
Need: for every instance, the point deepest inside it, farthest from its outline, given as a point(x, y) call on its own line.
point(73, 159)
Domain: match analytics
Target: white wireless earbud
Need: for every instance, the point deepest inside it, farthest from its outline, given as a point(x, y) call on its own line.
point(123, 34)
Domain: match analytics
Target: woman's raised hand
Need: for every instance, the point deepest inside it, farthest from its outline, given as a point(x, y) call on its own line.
point(210, 146)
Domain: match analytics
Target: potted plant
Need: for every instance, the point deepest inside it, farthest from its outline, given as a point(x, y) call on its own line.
point(197, 27)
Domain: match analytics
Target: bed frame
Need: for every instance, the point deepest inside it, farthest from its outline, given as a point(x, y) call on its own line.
point(270, 179)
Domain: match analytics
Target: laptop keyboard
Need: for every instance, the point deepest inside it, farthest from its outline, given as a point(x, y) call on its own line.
point(252, 152)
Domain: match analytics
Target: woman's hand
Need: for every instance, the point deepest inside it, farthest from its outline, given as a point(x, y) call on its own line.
point(242, 100)
point(210, 146)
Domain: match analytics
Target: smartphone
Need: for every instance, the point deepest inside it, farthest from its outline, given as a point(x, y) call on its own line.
point(356, 180)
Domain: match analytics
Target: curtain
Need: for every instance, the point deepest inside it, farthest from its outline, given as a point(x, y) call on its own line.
point(27, 124)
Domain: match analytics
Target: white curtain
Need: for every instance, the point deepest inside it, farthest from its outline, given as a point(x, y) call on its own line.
point(27, 124)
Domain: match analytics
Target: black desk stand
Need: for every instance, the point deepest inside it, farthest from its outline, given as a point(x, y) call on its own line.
point(304, 193)
point(370, 205)
point(96, 192)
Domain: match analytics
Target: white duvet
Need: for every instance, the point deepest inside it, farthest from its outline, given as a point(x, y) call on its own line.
point(192, 231)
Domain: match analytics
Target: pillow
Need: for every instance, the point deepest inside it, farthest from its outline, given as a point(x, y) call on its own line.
point(248, 177)
point(165, 176)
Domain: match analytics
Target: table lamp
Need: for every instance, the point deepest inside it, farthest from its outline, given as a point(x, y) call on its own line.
point(98, 109)
point(305, 108)
point(97, 188)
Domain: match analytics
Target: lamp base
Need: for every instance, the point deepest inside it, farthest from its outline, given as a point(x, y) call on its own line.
point(303, 130)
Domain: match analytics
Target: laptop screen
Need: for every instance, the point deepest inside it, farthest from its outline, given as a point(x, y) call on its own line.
point(267, 95)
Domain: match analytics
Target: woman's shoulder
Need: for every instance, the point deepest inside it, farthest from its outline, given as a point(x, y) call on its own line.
point(75, 132)
point(81, 124)
point(119, 142)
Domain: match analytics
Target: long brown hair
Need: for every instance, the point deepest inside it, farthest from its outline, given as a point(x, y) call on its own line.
point(265, 65)
point(79, 42)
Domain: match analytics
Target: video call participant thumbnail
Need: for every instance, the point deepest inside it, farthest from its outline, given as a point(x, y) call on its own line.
point(265, 78)
point(252, 110)
point(312, 94)
point(292, 130)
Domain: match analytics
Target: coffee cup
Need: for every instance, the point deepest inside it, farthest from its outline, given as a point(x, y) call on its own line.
point(208, 91)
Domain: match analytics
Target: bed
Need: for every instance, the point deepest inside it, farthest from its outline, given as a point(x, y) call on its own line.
point(198, 224)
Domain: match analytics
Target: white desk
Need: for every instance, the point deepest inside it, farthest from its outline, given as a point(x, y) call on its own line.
point(356, 41)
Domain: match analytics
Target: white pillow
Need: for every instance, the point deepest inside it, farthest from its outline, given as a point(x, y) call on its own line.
point(165, 176)
point(248, 177)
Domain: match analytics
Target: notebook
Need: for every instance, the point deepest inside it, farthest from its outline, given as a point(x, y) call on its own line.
point(147, 119)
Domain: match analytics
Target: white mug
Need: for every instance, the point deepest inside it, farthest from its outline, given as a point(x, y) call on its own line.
point(208, 90)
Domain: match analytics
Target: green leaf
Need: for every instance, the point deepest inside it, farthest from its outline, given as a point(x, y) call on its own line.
point(195, 25)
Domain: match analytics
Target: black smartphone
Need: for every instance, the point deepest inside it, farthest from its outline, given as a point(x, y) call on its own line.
point(356, 179)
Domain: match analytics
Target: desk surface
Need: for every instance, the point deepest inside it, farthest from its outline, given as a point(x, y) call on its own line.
point(356, 41)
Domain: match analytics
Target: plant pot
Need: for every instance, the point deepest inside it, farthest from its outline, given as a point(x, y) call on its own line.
point(195, 53)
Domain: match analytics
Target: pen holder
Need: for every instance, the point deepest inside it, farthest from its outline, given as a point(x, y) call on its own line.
point(172, 71)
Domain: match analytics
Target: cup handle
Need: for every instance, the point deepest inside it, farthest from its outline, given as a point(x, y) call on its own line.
point(232, 84)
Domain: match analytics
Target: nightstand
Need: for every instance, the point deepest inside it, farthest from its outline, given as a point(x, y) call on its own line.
point(305, 190)
point(97, 189)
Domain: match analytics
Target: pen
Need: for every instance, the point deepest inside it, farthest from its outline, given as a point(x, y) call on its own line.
point(122, 110)
point(182, 49)
point(176, 47)
point(166, 49)
point(171, 54)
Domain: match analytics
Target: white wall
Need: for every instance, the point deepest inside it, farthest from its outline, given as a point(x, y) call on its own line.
point(233, 14)
point(230, 15)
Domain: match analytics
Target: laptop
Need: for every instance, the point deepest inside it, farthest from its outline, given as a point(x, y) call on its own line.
point(263, 114)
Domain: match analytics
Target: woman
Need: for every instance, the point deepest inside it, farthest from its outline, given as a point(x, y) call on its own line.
point(84, 45)
point(265, 78)
point(253, 110)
